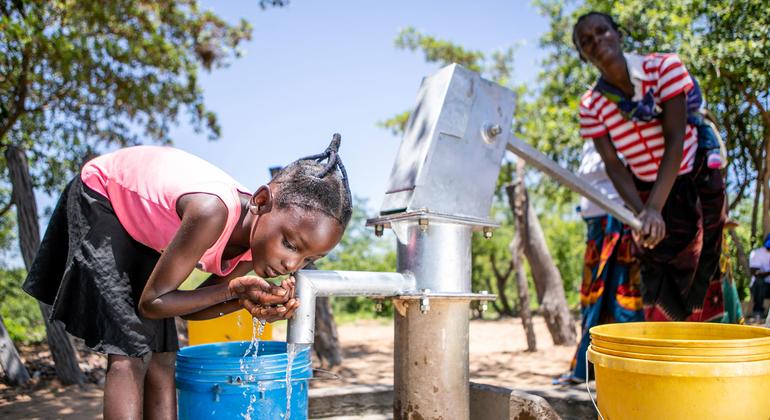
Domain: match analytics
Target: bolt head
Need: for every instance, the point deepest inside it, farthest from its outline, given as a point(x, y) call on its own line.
point(425, 302)
point(489, 131)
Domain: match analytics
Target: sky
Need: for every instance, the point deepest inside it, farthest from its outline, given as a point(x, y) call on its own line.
point(314, 68)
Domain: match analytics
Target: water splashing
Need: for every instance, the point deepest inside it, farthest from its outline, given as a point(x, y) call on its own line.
point(291, 352)
point(250, 409)
point(257, 329)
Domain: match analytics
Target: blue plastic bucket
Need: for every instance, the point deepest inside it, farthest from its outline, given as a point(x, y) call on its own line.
point(216, 381)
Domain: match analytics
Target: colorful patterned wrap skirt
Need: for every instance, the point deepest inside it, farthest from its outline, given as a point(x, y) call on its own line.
point(610, 290)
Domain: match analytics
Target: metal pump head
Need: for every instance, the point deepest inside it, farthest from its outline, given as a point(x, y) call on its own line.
point(451, 151)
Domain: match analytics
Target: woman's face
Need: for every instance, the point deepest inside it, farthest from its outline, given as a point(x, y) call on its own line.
point(286, 240)
point(597, 41)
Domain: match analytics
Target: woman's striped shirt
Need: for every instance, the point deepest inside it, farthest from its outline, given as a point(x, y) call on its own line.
point(639, 142)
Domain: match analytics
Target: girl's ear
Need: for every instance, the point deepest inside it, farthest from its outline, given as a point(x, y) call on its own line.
point(262, 201)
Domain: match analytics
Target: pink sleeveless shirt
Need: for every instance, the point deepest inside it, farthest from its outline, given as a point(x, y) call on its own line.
point(143, 184)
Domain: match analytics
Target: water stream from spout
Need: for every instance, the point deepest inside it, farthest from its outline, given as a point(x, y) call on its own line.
point(291, 352)
point(257, 329)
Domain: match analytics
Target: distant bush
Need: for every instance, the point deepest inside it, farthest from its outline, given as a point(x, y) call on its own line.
point(20, 311)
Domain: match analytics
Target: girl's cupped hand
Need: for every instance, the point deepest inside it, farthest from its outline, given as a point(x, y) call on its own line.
point(264, 300)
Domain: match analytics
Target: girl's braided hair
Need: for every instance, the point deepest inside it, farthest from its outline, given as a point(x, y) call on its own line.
point(312, 185)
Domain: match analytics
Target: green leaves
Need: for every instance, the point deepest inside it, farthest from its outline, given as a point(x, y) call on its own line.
point(78, 76)
point(439, 51)
point(724, 44)
point(19, 311)
point(498, 68)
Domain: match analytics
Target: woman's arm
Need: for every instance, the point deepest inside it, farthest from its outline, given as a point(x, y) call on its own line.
point(674, 125)
point(618, 173)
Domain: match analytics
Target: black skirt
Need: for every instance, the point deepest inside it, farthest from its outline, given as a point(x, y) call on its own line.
point(92, 272)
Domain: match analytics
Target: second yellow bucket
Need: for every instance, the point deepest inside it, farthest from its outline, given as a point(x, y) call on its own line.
point(235, 326)
point(681, 370)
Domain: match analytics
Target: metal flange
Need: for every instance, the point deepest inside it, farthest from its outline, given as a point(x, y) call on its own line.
point(425, 216)
point(447, 296)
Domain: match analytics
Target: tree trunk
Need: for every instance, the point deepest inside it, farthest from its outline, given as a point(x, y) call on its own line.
point(755, 210)
point(327, 343)
point(548, 282)
point(10, 361)
point(743, 262)
point(523, 288)
point(518, 197)
point(62, 350)
point(501, 280)
point(766, 187)
point(758, 191)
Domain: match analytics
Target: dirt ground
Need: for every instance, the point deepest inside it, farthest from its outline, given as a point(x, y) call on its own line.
point(497, 356)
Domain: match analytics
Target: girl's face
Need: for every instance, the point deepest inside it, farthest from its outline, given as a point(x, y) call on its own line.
point(597, 41)
point(286, 240)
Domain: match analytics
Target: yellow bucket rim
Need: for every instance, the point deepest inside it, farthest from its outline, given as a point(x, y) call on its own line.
point(650, 333)
point(681, 358)
point(683, 351)
point(679, 369)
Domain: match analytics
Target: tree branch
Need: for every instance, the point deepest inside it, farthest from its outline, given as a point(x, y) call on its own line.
point(5, 208)
point(493, 261)
point(20, 92)
point(494, 302)
point(750, 97)
point(739, 195)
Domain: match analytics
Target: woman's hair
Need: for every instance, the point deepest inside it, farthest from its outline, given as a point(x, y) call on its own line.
point(312, 185)
point(614, 25)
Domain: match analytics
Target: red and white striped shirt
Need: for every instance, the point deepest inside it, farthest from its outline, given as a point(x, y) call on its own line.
point(639, 142)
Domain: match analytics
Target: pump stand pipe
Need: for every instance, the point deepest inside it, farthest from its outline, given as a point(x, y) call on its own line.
point(571, 181)
point(314, 283)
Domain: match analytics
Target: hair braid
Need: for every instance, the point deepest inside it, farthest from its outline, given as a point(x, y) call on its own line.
point(315, 186)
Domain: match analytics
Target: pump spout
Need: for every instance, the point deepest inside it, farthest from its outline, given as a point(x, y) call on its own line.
point(313, 283)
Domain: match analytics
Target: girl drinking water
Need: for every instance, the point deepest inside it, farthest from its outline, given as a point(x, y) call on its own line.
point(135, 223)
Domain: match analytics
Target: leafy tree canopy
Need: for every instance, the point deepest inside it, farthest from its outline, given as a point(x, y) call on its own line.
point(76, 76)
point(724, 44)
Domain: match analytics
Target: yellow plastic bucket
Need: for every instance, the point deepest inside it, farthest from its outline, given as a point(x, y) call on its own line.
point(721, 352)
point(235, 326)
point(680, 370)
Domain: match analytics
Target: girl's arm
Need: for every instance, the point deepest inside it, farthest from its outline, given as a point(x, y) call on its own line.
point(223, 308)
point(266, 313)
point(203, 219)
point(618, 173)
